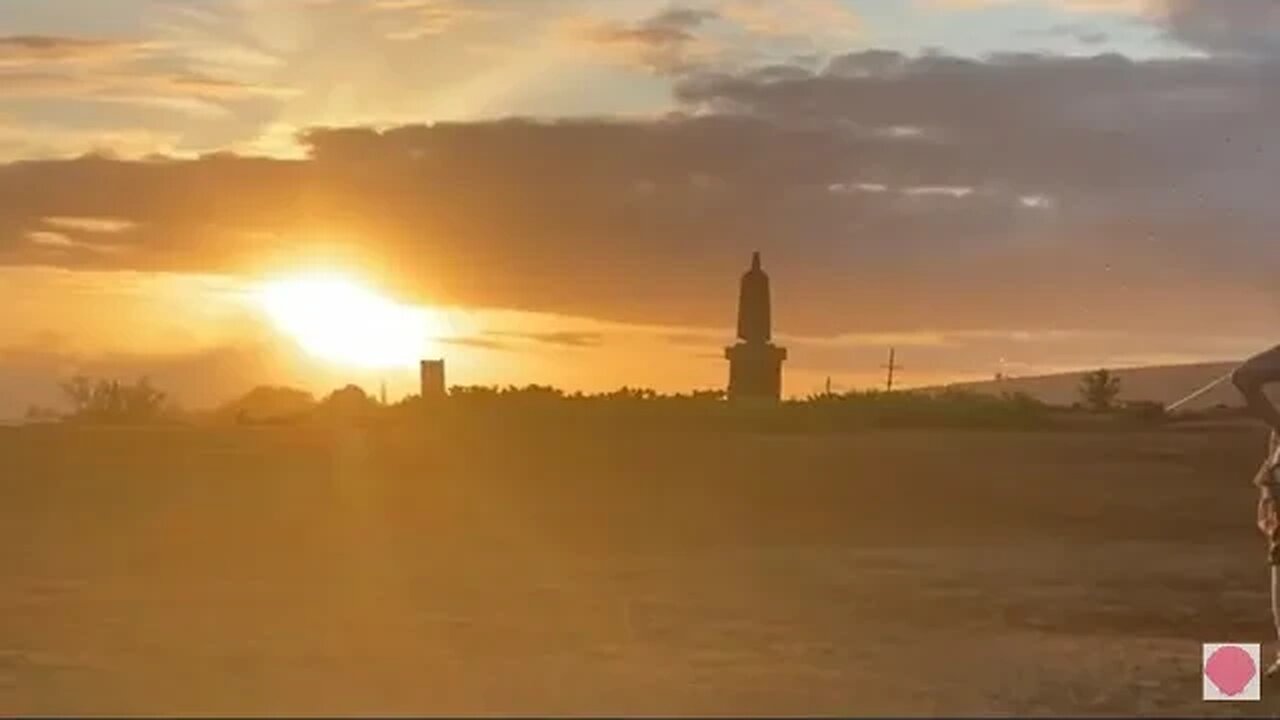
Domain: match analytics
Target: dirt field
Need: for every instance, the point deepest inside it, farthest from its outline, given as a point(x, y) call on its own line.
point(580, 571)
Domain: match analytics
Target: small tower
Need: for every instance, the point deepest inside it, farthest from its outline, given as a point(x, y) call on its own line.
point(432, 379)
point(755, 363)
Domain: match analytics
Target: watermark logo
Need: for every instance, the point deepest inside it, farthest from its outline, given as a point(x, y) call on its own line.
point(1231, 671)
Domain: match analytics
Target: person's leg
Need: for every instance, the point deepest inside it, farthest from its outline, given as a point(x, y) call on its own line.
point(1275, 598)
point(1270, 518)
point(1269, 524)
point(1273, 670)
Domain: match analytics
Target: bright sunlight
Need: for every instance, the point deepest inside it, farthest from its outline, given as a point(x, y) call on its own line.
point(337, 319)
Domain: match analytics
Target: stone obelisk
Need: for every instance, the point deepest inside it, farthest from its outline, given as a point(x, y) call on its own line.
point(755, 363)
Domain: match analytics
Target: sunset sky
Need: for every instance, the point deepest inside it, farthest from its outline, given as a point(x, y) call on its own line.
point(566, 191)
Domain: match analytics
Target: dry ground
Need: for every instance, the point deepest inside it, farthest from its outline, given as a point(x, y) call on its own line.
point(580, 571)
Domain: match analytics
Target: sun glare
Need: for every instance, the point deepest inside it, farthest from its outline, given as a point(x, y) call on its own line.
point(336, 319)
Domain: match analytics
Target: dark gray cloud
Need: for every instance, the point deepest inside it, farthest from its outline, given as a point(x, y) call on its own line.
point(482, 343)
point(888, 193)
point(1232, 27)
point(566, 338)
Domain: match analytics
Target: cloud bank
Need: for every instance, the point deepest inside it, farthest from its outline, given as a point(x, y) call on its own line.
point(888, 192)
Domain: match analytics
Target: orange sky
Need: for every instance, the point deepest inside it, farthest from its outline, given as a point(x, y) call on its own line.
point(574, 187)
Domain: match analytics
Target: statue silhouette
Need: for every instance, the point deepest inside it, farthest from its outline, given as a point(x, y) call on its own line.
point(755, 363)
point(754, 316)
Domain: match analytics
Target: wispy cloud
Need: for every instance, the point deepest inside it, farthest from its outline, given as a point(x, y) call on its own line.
point(91, 224)
point(141, 72)
point(22, 50)
point(667, 42)
point(1079, 6)
point(481, 343)
point(51, 141)
point(58, 241)
point(179, 91)
point(680, 38)
point(430, 18)
point(567, 338)
point(820, 18)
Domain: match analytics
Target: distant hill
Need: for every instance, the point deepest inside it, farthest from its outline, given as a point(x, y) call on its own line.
point(1163, 384)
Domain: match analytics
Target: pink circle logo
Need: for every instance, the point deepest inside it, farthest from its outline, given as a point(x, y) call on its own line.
point(1230, 669)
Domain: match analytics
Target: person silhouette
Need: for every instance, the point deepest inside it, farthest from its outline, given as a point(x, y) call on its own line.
point(1251, 379)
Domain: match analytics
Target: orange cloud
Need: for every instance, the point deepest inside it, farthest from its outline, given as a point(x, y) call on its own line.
point(49, 141)
point(18, 50)
point(147, 73)
point(665, 43)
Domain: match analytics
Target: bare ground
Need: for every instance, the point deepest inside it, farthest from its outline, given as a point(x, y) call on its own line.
point(581, 571)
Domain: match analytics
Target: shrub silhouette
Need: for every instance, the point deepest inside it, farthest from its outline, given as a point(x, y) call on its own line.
point(267, 404)
point(538, 406)
point(1099, 390)
point(350, 403)
point(642, 407)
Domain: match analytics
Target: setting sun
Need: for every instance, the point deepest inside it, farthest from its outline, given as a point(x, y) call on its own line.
point(337, 319)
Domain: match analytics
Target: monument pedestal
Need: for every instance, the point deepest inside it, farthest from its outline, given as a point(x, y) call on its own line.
point(755, 370)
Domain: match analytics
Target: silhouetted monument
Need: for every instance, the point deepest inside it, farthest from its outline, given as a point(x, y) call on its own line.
point(432, 379)
point(755, 363)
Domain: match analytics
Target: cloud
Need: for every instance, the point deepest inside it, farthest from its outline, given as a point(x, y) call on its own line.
point(888, 194)
point(695, 338)
point(1231, 27)
point(1079, 32)
point(91, 224)
point(1239, 28)
point(18, 50)
point(482, 343)
point(132, 87)
point(409, 19)
point(50, 141)
point(827, 18)
point(681, 39)
point(147, 73)
point(50, 239)
point(1134, 7)
point(666, 43)
point(568, 338)
point(430, 18)
point(53, 243)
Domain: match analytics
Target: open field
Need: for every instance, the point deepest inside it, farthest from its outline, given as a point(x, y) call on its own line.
point(579, 571)
point(1164, 384)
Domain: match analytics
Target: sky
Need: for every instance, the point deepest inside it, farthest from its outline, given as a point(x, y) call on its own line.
point(566, 192)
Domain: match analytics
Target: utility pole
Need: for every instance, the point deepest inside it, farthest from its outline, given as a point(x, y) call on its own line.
point(384, 392)
point(828, 392)
point(891, 367)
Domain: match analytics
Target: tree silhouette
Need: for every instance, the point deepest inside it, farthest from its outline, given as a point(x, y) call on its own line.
point(104, 400)
point(1099, 389)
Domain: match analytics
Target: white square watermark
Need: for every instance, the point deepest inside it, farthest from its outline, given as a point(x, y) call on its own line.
point(1232, 671)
